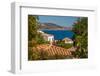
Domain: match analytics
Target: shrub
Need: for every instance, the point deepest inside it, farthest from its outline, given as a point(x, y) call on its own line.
point(64, 45)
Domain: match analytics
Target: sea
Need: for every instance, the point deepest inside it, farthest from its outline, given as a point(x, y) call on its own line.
point(60, 34)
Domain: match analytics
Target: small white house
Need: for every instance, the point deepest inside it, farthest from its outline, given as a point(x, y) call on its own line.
point(47, 37)
point(68, 40)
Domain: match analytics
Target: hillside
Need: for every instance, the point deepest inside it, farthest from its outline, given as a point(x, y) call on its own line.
point(49, 26)
point(52, 26)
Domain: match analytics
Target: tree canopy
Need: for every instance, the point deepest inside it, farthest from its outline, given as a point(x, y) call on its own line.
point(32, 26)
point(81, 37)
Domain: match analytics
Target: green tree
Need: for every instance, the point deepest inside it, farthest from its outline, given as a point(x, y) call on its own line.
point(32, 26)
point(81, 37)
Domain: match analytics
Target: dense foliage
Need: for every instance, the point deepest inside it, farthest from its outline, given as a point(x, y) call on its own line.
point(32, 27)
point(81, 37)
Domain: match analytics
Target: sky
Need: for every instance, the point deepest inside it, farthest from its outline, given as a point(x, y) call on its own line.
point(59, 20)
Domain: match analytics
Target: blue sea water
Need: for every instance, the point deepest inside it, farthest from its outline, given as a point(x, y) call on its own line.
point(60, 34)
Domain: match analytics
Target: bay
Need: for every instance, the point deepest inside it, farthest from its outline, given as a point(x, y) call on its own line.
point(60, 34)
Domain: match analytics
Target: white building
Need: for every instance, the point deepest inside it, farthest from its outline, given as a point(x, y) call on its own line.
point(68, 40)
point(47, 37)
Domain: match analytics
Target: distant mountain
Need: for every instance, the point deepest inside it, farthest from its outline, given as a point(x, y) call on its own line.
point(67, 28)
point(52, 26)
point(49, 26)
